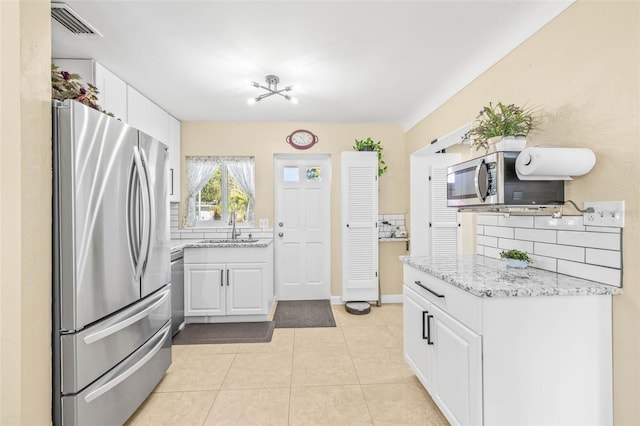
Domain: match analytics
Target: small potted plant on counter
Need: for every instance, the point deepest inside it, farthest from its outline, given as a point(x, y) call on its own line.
point(370, 145)
point(501, 127)
point(516, 258)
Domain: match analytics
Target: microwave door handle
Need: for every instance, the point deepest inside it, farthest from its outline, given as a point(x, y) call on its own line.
point(476, 180)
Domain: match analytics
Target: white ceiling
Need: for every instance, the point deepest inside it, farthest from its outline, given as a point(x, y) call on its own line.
point(354, 61)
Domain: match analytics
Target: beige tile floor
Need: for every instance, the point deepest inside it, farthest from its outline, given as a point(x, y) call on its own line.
point(352, 374)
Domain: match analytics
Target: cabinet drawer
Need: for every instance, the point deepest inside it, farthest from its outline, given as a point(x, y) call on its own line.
point(461, 305)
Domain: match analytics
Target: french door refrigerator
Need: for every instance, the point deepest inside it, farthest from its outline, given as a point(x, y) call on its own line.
point(111, 266)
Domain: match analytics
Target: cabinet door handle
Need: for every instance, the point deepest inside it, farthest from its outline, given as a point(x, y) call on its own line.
point(171, 170)
point(221, 277)
point(429, 341)
point(227, 277)
point(419, 283)
point(425, 336)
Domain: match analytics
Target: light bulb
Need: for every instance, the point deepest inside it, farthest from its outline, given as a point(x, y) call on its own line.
point(294, 100)
point(251, 101)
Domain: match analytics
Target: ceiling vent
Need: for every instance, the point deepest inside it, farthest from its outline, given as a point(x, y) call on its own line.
point(70, 19)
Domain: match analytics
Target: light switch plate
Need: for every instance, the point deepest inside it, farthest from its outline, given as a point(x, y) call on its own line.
point(606, 213)
point(264, 223)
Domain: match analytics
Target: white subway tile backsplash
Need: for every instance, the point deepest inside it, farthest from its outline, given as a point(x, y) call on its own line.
point(610, 258)
point(509, 244)
point(600, 240)
point(562, 245)
point(487, 241)
point(546, 263)
point(543, 235)
point(566, 222)
point(604, 229)
point(492, 252)
point(516, 221)
point(497, 231)
point(600, 274)
point(559, 251)
point(487, 220)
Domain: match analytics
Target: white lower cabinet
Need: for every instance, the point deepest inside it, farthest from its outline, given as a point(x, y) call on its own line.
point(457, 360)
point(509, 360)
point(225, 289)
point(446, 357)
point(228, 284)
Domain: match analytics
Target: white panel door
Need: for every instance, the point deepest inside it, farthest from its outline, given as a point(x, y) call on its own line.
point(302, 227)
point(359, 226)
point(434, 226)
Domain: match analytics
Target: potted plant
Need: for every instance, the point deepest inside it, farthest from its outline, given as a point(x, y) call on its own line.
point(516, 258)
point(66, 85)
point(495, 123)
point(370, 145)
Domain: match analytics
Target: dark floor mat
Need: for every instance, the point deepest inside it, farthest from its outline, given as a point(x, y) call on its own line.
point(233, 332)
point(304, 314)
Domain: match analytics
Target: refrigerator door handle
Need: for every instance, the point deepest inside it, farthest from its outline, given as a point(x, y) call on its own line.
point(133, 229)
point(151, 211)
point(144, 240)
point(155, 302)
point(131, 370)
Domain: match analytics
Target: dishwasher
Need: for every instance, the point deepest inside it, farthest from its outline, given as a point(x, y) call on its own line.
point(177, 291)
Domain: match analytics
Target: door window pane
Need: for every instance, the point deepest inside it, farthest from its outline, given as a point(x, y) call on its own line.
point(314, 174)
point(291, 174)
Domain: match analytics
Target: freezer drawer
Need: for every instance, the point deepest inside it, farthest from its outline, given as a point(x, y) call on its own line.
point(92, 352)
point(124, 387)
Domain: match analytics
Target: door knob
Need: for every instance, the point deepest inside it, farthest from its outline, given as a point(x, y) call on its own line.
point(281, 234)
point(280, 224)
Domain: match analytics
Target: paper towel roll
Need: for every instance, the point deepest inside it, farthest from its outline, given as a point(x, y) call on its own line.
point(537, 163)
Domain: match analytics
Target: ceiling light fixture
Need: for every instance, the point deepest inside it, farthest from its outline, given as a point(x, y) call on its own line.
point(272, 89)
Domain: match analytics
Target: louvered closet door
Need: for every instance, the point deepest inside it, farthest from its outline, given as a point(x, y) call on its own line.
point(444, 227)
point(434, 226)
point(359, 226)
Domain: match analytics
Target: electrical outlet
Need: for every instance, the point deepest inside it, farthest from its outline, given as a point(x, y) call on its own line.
point(606, 213)
point(264, 223)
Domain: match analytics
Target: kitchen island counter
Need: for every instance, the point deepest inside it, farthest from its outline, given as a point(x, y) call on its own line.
point(487, 277)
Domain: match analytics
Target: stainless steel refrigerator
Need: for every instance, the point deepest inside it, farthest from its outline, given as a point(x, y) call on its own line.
point(111, 266)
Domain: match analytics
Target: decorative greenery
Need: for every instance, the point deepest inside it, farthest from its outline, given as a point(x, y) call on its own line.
point(516, 254)
point(370, 145)
point(499, 120)
point(66, 85)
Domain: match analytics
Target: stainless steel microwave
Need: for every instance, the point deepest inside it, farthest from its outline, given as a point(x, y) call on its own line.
point(490, 183)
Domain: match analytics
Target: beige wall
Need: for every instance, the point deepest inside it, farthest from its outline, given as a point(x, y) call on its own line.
point(583, 71)
point(263, 140)
point(25, 213)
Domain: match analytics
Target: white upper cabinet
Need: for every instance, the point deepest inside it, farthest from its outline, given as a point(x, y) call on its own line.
point(132, 107)
point(174, 160)
point(146, 116)
point(112, 96)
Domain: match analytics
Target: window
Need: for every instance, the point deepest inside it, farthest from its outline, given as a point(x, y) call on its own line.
point(217, 186)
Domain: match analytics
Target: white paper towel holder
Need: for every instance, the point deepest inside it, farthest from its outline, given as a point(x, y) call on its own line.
point(557, 169)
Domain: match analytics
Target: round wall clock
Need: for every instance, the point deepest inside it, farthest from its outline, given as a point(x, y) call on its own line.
point(302, 139)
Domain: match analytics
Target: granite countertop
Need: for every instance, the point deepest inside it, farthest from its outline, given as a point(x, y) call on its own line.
point(393, 239)
point(260, 242)
point(487, 277)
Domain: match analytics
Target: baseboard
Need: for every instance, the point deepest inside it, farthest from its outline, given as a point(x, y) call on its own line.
point(386, 298)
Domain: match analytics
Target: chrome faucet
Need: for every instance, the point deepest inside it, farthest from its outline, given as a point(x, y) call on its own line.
point(232, 221)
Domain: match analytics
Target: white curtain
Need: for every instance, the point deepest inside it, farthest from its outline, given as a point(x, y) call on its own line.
point(199, 171)
point(243, 173)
